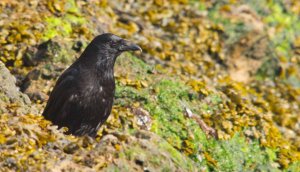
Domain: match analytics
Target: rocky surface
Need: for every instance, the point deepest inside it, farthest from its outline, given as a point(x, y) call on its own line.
point(215, 89)
point(12, 100)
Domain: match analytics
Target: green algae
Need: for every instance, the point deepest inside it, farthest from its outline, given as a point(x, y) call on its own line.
point(62, 26)
point(237, 154)
point(55, 27)
point(185, 135)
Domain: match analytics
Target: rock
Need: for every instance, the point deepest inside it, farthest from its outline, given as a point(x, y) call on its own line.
point(34, 93)
point(68, 165)
point(146, 151)
point(143, 119)
point(71, 148)
point(49, 60)
point(29, 58)
point(247, 52)
point(11, 99)
point(109, 139)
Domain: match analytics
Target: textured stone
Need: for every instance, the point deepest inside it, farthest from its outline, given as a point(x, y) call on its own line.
point(11, 99)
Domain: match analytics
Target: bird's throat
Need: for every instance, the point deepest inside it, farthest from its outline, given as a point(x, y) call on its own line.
point(105, 68)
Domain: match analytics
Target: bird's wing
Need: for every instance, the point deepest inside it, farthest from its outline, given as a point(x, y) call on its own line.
point(69, 104)
point(64, 90)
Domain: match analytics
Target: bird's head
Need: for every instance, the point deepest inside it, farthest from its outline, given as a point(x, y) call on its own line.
point(103, 51)
point(113, 44)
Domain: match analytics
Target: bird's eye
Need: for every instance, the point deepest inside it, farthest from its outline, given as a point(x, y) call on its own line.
point(113, 43)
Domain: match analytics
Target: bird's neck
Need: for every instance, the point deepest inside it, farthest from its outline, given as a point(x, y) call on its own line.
point(104, 70)
point(99, 61)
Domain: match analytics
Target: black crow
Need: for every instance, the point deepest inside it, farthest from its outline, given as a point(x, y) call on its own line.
point(83, 95)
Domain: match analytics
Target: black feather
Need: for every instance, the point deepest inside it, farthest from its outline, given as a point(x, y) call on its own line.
point(83, 95)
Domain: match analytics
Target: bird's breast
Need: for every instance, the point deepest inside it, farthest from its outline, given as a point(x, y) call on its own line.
point(98, 93)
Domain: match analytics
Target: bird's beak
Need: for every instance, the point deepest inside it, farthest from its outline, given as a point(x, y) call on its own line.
point(128, 46)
